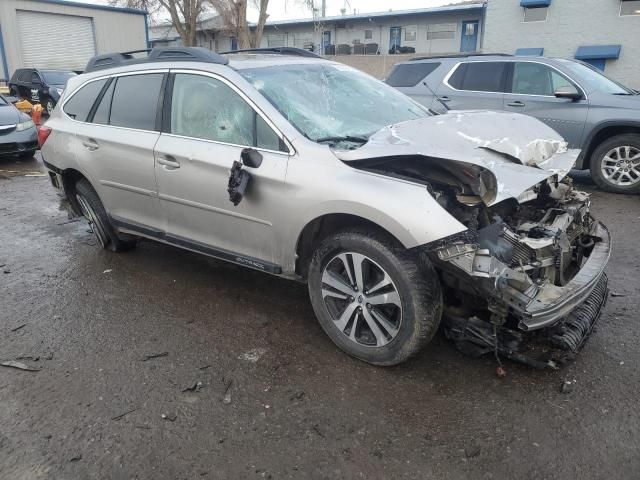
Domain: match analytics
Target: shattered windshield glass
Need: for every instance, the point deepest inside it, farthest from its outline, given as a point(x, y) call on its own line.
point(331, 103)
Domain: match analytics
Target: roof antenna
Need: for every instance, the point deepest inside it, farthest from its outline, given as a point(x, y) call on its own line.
point(446, 107)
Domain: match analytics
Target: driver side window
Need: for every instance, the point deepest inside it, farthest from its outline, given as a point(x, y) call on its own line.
point(206, 108)
point(531, 78)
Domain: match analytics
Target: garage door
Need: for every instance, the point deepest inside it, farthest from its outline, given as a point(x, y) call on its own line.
point(51, 40)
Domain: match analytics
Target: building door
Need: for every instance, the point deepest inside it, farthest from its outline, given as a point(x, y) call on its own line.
point(326, 40)
point(234, 43)
point(394, 38)
point(469, 41)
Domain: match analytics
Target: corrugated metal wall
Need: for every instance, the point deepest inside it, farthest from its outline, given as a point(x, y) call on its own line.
point(113, 30)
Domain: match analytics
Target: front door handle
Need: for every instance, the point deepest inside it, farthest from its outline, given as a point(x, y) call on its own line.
point(168, 161)
point(517, 103)
point(90, 144)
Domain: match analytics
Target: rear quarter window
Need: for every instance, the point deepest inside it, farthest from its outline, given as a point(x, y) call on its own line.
point(410, 74)
point(80, 103)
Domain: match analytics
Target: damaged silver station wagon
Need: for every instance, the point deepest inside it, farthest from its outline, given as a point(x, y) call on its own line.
point(397, 219)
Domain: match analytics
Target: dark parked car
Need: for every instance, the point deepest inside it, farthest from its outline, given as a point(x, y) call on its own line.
point(18, 134)
point(39, 86)
point(591, 111)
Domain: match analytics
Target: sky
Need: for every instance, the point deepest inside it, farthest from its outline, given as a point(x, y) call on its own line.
point(288, 9)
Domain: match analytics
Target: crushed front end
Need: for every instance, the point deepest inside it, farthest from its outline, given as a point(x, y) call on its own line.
point(526, 280)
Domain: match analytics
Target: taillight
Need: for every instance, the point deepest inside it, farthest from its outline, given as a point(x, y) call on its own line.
point(43, 134)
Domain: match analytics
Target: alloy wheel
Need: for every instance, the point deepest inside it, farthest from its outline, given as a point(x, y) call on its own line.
point(94, 222)
point(621, 166)
point(361, 299)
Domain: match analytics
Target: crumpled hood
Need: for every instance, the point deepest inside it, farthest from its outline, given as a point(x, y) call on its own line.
point(520, 151)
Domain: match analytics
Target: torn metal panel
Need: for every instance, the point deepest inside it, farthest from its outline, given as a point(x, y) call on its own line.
point(498, 143)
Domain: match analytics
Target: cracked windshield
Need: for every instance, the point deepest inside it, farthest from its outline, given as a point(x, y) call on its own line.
point(333, 104)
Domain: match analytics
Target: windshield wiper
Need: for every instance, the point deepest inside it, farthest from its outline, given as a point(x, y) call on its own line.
point(345, 138)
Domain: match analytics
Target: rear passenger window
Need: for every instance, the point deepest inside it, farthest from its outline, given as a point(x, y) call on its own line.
point(135, 101)
point(102, 112)
point(409, 74)
point(479, 76)
point(79, 105)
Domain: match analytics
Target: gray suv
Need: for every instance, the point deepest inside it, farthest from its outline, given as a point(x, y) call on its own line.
point(310, 170)
point(591, 111)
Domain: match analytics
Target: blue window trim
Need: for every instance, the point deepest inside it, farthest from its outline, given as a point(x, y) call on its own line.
point(530, 52)
point(535, 3)
point(67, 3)
point(598, 52)
point(5, 67)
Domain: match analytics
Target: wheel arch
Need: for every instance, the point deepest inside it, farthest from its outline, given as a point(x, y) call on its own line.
point(71, 176)
point(602, 132)
point(327, 224)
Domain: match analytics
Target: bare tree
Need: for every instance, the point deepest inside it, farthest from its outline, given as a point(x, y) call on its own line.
point(234, 18)
point(184, 14)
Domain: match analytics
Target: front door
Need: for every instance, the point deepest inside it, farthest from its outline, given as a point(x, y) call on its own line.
point(394, 38)
point(531, 92)
point(469, 41)
point(326, 40)
point(210, 124)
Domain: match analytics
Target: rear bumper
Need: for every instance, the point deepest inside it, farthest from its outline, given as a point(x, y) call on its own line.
point(19, 142)
point(553, 303)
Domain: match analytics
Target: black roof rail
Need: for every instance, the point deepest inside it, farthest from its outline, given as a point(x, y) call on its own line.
point(158, 54)
point(462, 55)
point(300, 52)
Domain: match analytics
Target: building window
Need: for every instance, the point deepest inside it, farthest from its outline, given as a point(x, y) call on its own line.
point(410, 33)
point(276, 40)
point(536, 14)
point(368, 34)
point(441, 31)
point(629, 8)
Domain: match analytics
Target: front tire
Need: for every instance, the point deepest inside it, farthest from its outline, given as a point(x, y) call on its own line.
point(615, 164)
point(376, 300)
point(93, 210)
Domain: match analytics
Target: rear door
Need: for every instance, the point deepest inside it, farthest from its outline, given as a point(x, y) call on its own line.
point(530, 90)
point(474, 85)
point(207, 124)
point(115, 144)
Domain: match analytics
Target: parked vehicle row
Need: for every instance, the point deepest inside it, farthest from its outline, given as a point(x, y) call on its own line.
point(39, 86)
point(590, 111)
point(307, 169)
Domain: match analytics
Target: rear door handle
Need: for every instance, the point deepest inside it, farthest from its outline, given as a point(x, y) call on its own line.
point(517, 103)
point(444, 99)
point(168, 161)
point(90, 144)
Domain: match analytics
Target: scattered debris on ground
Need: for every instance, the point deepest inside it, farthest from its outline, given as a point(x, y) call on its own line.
point(194, 387)
point(151, 356)
point(108, 270)
point(226, 399)
point(616, 294)
point(252, 355)
point(169, 416)
point(124, 414)
point(15, 329)
point(567, 386)
point(19, 366)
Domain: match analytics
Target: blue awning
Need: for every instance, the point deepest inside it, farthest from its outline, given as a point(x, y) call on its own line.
point(532, 52)
point(598, 51)
point(535, 3)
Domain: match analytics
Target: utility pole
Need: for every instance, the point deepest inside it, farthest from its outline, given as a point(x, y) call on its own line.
point(324, 8)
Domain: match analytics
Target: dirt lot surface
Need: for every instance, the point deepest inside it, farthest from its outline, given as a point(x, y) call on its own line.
point(272, 397)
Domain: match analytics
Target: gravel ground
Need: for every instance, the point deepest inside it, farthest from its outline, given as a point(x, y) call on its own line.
point(273, 397)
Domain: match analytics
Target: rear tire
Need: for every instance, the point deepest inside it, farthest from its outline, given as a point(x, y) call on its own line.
point(382, 325)
point(615, 164)
point(93, 210)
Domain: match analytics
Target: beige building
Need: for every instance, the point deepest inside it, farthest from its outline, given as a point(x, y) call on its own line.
point(61, 34)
